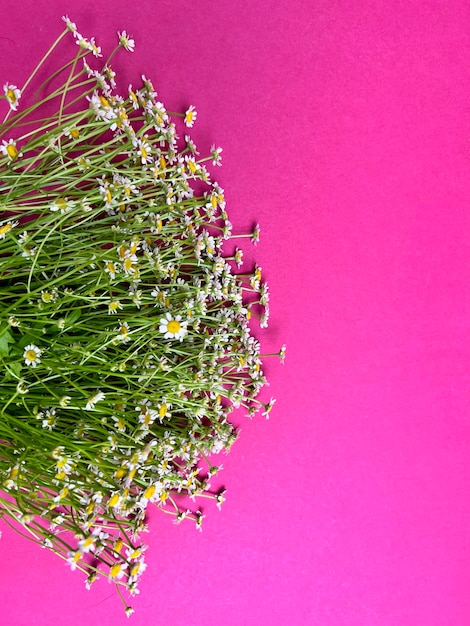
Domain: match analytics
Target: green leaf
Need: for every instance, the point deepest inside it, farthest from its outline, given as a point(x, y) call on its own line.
point(5, 338)
point(73, 317)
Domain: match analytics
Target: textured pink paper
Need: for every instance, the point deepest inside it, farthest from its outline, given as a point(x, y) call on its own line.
point(346, 134)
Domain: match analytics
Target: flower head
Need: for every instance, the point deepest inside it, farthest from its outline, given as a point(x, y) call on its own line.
point(10, 150)
point(216, 154)
point(12, 94)
point(71, 26)
point(5, 228)
point(173, 327)
point(255, 234)
point(61, 204)
point(190, 117)
point(32, 355)
point(94, 400)
point(126, 41)
point(114, 306)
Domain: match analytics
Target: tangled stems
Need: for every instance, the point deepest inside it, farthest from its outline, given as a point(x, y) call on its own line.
point(124, 332)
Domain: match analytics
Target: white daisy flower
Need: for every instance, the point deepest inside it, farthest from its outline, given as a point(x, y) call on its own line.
point(94, 399)
point(71, 26)
point(12, 94)
point(5, 228)
point(172, 327)
point(126, 41)
point(123, 332)
point(190, 117)
point(61, 204)
point(117, 571)
point(216, 155)
point(32, 355)
point(114, 306)
point(110, 268)
point(144, 150)
point(9, 149)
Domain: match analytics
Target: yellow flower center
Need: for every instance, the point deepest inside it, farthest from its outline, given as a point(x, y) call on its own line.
point(12, 151)
point(75, 133)
point(114, 500)
point(11, 96)
point(173, 326)
point(128, 265)
point(5, 228)
point(115, 570)
point(135, 569)
point(163, 410)
point(61, 203)
point(31, 355)
point(149, 492)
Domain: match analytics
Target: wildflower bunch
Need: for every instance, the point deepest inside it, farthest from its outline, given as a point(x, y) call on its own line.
point(124, 328)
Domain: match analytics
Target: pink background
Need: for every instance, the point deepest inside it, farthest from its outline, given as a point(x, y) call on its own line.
point(346, 134)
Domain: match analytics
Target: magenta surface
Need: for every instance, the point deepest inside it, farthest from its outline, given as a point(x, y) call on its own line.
point(346, 134)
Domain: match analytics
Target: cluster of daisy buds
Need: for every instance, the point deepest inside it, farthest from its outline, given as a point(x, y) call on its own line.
point(124, 331)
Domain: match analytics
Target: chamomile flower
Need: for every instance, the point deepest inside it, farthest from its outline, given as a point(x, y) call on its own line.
point(32, 355)
point(133, 98)
point(110, 268)
point(190, 117)
point(114, 306)
point(164, 411)
point(172, 327)
point(255, 235)
point(190, 145)
point(88, 44)
point(7, 227)
point(144, 150)
point(71, 26)
point(72, 132)
point(93, 400)
point(216, 155)
point(117, 571)
point(9, 149)
point(238, 257)
point(61, 204)
point(110, 74)
point(123, 332)
point(50, 418)
point(12, 94)
point(268, 408)
point(49, 295)
point(126, 41)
